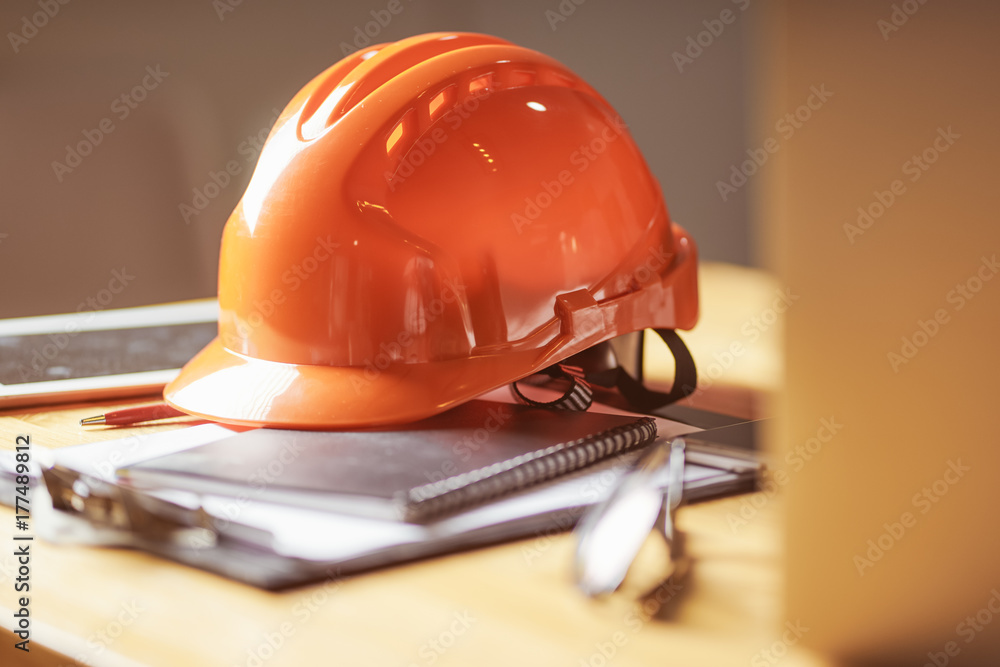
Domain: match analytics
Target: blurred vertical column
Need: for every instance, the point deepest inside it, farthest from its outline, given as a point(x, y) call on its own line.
point(880, 211)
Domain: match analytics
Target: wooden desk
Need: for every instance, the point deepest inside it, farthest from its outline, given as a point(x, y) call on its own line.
point(507, 605)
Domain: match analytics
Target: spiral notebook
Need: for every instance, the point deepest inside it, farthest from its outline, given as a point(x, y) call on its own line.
point(470, 455)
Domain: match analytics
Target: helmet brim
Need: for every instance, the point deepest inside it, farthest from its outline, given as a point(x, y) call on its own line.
point(225, 386)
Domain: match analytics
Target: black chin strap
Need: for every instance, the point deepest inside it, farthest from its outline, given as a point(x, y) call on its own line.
point(578, 397)
point(640, 398)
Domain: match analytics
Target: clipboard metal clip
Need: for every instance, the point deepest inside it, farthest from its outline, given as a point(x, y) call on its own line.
point(108, 505)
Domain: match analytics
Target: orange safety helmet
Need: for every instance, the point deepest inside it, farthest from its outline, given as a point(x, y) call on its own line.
point(429, 220)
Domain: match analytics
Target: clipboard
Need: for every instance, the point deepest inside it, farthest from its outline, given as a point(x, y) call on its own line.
point(272, 546)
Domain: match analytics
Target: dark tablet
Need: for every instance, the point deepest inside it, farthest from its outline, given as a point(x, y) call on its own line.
point(100, 354)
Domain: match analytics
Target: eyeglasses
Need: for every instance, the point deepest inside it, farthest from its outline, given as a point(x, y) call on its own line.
point(611, 534)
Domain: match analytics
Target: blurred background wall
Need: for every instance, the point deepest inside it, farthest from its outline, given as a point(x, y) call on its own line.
point(212, 76)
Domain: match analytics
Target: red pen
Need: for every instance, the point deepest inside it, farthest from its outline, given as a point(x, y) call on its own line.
point(128, 416)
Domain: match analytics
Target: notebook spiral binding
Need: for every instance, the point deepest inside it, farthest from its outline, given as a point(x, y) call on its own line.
point(478, 486)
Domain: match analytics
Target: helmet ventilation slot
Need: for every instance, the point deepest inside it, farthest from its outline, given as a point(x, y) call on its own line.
point(464, 88)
